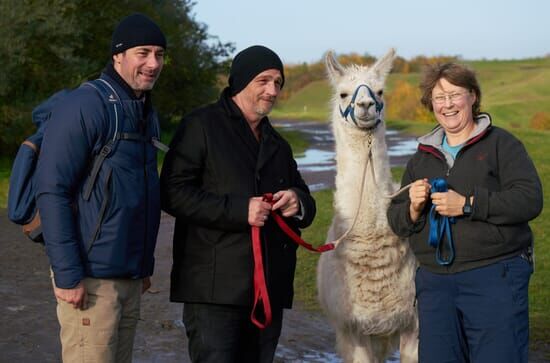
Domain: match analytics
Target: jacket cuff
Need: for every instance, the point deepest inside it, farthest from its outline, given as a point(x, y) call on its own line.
point(67, 280)
point(307, 208)
point(300, 215)
point(240, 206)
point(414, 227)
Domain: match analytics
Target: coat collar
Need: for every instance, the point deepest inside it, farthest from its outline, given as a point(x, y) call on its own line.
point(435, 137)
point(432, 142)
point(259, 152)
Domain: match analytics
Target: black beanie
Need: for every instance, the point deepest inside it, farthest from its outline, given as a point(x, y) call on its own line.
point(250, 62)
point(134, 30)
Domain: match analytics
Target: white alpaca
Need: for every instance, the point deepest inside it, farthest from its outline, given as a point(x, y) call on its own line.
point(366, 285)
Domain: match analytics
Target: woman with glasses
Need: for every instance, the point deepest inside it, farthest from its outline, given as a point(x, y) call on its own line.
point(473, 191)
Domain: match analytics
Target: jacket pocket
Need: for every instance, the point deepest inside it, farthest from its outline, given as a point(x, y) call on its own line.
point(473, 239)
point(517, 273)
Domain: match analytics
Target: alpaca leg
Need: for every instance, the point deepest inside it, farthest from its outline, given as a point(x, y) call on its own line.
point(408, 345)
point(344, 345)
point(365, 351)
point(349, 347)
point(383, 346)
point(362, 349)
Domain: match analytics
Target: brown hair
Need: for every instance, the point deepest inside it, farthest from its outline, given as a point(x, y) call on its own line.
point(454, 73)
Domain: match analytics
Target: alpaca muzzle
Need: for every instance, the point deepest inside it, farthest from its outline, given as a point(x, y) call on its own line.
point(350, 109)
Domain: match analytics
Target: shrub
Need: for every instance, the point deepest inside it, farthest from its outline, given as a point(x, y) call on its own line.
point(540, 121)
point(404, 104)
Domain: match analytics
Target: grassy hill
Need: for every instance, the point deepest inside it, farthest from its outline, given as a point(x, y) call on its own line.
point(310, 103)
point(512, 92)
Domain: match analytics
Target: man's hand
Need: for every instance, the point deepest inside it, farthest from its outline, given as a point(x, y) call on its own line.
point(146, 284)
point(76, 296)
point(448, 204)
point(258, 211)
point(287, 201)
point(418, 194)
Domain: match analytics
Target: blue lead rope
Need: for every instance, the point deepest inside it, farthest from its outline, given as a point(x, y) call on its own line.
point(439, 226)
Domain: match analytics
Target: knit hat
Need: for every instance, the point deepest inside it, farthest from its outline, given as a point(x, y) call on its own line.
point(250, 62)
point(134, 30)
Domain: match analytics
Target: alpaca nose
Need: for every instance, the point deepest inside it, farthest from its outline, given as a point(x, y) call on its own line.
point(365, 103)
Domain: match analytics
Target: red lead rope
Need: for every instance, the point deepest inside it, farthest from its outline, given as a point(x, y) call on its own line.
point(260, 288)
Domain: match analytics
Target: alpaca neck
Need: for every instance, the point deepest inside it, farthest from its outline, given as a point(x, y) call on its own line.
point(354, 153)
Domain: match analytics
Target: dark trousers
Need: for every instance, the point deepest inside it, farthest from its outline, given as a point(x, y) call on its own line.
point(477, 316)
point(225, 334)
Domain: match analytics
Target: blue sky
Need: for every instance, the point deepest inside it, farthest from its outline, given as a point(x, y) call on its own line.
point(302, 30)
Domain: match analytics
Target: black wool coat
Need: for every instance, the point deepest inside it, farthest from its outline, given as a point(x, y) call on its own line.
point(214, 166)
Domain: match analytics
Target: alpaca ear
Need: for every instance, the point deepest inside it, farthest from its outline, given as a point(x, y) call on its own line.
point(383, 65)
point(334, 69)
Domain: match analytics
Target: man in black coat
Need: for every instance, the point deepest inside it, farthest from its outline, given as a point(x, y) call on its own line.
point(223, 158)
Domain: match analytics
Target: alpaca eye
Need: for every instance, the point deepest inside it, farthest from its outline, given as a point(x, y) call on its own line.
point(343, 95)
point(380, 93)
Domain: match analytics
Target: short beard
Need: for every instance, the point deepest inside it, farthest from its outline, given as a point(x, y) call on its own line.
point(262, 112)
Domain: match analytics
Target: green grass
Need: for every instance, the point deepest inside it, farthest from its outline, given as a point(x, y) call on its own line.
point(296, 140)
point(305, 288)
point(310, 103)
point(5, 169)
point(539, 288)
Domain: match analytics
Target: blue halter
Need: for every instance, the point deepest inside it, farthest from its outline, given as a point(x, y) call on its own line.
point(439, 226)
point(350, 109)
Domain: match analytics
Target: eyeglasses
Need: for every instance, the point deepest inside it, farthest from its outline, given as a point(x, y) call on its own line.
point(453, 97)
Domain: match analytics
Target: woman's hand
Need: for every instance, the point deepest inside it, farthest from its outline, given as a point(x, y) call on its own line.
point(448, 204)
point(419, 193)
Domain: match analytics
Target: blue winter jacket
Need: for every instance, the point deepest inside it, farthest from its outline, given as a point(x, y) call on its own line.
point(128, 181)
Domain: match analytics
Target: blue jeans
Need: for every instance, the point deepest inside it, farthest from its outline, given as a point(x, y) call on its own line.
point(225, 334)
point(477, 316)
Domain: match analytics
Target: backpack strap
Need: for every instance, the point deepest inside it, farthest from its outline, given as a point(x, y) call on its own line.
point(101, 215)
point(159, 145)
point(142, 138)
point(110, 97)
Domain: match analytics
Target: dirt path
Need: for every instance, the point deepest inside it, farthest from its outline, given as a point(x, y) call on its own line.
point(29, 329)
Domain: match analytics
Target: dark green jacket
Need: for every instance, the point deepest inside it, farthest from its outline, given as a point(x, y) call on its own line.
point(495, 168)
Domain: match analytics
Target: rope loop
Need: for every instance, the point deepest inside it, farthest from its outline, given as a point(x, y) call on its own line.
point(440, 226)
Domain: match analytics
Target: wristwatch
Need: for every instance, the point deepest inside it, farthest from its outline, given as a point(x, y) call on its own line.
point(467, 209)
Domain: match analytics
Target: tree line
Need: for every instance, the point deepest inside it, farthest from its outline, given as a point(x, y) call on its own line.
point(50, 45)
point(297, 76)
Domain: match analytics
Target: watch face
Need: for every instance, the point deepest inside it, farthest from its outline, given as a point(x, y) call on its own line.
point(467, 210)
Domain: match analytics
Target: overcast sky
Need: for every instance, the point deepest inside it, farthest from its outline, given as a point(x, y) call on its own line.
point(302, 30)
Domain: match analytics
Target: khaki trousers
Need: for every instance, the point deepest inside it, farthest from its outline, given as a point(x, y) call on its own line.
point(104, 332)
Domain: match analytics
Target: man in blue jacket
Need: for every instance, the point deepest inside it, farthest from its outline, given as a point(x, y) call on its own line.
point(100, 233)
